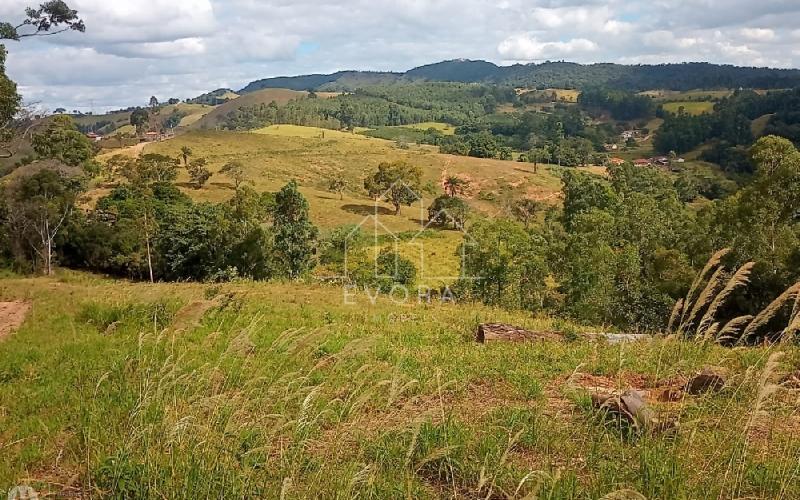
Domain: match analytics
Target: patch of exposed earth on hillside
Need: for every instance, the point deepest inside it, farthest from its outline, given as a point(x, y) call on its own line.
point(12, 315)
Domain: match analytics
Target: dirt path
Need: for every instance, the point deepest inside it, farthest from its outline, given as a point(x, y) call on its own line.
point(12, 314)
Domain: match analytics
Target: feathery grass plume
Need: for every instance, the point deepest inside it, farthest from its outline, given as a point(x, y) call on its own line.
point(763, 318)
point(794, 327)
point(701, 278)
point(739, 279)
point(712, 288)
point(732, 330)
point(796, 309)
point(709, 333)
point(677, 310)
point(766, 387)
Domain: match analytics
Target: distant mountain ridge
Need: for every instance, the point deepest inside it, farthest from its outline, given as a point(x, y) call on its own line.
point(678, 76)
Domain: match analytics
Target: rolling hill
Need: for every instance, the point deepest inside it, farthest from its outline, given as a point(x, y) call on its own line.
point(313, 156)
point(683, 76)
point(266, 96)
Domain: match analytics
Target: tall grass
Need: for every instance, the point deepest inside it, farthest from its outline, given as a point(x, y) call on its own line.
point(290, 394)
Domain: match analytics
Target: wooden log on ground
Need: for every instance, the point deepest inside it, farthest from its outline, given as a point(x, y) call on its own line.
point(631, 407)
point(708, 380)
point(494, 332)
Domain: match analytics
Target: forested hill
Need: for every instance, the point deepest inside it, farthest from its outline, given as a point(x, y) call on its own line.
point(684, 76)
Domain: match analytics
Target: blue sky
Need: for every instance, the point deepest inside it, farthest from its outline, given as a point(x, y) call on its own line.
point(181, 48)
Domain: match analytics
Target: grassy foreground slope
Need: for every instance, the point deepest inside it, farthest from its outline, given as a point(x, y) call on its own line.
point(282, 391)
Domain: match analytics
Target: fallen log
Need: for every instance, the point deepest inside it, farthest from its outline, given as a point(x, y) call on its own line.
point(631, 407)
point(493, 332)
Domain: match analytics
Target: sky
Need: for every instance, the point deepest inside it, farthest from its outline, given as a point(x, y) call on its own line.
point(133, 49)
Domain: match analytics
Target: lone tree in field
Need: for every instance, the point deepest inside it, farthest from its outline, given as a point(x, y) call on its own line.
point(50, 18)
point(537, 155)
point(198, 172)
point(338, 186)
point(153, 102)
point(397, 183)
point(186, 152)
point(455, 186)
point(295, 235)
point(235, 171)
point(448, 210)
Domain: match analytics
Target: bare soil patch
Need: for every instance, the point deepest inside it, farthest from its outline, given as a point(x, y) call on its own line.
point(12, 315)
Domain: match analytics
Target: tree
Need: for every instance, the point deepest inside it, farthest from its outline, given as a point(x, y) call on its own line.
point(295, 235)
point(153, 102)
point(235, 171)
point(455, 186)
point(145, 174)
point(761, 222)
point(9, 104)
point(62, 140)
point(346, 114)
point(525, 210)
point(139, 119)
point(448, 210)
point(338, 185)
point(396, 182)
point(536, 155)
point(41, 21)
point(146, 169)
point(198, 172)
point(39, 207)
point(503, 266)
point(186, 152)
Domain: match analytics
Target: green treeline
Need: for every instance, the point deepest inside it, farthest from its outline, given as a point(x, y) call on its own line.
point(623, 250)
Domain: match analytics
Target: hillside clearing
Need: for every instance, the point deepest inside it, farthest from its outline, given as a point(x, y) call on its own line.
point(277, 154)
point(217, 115)
point(690, 107)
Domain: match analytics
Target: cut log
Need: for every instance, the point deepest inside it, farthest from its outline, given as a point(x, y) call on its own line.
point(631, 407)
point(493, 332)
point(708, 380)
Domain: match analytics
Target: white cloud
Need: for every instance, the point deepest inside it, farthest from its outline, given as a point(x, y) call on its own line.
point(158, 50)
point(758, 34)
point(528, 48)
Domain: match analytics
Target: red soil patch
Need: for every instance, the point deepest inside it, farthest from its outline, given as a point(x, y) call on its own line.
point(12, 315)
